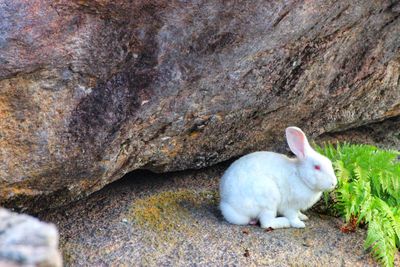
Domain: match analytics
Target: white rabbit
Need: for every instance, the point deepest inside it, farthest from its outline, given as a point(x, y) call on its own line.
point(264, 185)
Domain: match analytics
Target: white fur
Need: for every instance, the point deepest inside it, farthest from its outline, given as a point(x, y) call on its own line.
point(264, 185)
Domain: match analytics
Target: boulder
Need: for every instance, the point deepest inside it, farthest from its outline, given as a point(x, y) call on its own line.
point(91, 90)
point(25, 241)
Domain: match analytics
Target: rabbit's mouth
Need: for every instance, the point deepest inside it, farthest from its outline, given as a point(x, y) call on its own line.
point(333, 186)
point(329, 189)
point(329, 184)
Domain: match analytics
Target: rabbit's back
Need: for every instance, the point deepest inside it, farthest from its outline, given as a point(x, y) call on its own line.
point(255, 168)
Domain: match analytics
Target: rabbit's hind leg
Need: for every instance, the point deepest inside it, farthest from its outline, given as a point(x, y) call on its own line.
point(232, 216)
point(268, 219)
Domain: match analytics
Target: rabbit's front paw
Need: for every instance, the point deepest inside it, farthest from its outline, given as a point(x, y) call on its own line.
point(297, 223)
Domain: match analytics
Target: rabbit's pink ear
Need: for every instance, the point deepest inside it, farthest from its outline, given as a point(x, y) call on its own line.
point(297, 141)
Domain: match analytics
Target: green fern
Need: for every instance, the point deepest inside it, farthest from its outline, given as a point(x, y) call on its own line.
point(369, 191)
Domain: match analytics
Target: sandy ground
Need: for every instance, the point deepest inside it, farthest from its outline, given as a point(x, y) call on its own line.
point(173, 219)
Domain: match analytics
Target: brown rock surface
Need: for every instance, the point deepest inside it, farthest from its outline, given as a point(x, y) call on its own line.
point(173, 220)
point(90, 90)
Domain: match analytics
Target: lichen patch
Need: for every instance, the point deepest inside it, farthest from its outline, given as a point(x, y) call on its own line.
point(171, 211)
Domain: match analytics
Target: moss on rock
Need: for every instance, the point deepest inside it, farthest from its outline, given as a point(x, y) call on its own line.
point(171, 210)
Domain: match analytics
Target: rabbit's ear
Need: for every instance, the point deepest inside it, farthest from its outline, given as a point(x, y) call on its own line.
point(297, 141)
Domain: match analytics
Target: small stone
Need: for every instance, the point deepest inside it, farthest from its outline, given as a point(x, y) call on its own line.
point(246, 253)
point(307, 242)
point(245, 231)
point(269, 229)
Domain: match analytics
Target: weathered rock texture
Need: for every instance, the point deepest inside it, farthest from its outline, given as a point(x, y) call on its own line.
point(25, 241)
point(90, 90)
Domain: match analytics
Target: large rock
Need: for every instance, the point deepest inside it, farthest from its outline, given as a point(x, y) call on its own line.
point(91, 90)
point(25, 241)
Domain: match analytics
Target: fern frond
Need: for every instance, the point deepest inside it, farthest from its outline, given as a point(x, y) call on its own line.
point(342, 173)
point(369, 191)
point(382, 247)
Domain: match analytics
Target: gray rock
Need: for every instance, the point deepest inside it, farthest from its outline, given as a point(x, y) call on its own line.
point(25, 241)
point(91, 90)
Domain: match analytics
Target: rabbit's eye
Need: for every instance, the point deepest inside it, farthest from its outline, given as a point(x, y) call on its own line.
point(317, 167)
